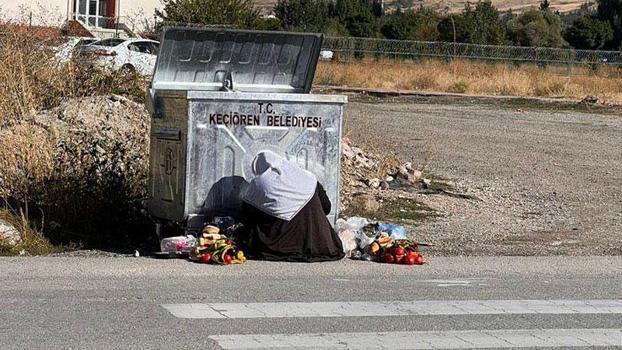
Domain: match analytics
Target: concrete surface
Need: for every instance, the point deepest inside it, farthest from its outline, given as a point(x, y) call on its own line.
point(116, 303)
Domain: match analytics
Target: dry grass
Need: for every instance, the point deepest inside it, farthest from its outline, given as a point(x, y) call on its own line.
point(80, 167)
point(31, 78)
point(32, 241)
point(475, 78)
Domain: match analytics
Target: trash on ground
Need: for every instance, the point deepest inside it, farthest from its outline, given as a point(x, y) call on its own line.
point(378, 241)
point(178, 244)
point(211, 247)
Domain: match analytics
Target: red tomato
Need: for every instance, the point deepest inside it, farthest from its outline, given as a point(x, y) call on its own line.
point(410, 259)
point(419, 260)
point(227, 259)
point(399, 251)
point(413, 253)
point(206, 258)
point(389, 259)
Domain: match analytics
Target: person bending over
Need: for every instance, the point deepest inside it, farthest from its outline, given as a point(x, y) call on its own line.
point(285, 209)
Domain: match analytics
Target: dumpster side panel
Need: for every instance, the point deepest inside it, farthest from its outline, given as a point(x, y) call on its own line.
point(167, 163)
point(222, 147)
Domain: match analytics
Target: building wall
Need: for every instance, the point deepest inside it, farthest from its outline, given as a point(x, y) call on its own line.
point(46, 11)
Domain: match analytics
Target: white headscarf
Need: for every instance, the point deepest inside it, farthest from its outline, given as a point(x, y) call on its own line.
point(280, 188)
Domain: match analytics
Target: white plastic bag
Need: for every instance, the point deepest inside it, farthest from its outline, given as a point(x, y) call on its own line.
point(351, 233)
point(348, 240)
point(362, 240)
point(178, 244)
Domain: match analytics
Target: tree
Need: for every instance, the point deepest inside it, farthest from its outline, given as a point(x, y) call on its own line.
point(344, 9)
point(544, 5)
point(305, 15)
point(458, 25)
point(236, 13)
point(589, 33)
point(422, 24)
point(536, 28)
point(357, 16)
point(335, 28)
point(362, 25)
point(419, 24)
point(486, 23)
point(393, 28)
point(611, 11)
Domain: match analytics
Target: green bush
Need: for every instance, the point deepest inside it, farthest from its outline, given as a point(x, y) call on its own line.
point(589, 33)
point(537, 29)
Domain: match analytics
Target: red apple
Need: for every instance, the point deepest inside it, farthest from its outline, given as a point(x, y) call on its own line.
point(419, 260)
point(399, 251)
point(206, 258)
point(227, 259)
point(389, 258)
point(410, 259)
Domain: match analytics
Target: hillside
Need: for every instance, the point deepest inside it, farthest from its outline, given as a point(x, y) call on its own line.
point(458, 5)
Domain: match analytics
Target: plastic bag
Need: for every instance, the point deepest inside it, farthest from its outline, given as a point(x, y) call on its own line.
point(351, 233)
point(395, 231)
point(362, 240)
point(348, 240)
point(357, 223)
point(178, 244)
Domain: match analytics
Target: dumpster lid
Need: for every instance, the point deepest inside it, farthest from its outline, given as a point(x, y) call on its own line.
point(238, 60)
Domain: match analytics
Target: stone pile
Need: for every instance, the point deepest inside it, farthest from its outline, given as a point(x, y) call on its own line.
point(364, 172)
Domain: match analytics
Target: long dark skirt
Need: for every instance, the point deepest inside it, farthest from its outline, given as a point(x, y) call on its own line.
point(307, 237)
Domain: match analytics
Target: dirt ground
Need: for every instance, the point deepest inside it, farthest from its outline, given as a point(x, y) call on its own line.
point(548, 181)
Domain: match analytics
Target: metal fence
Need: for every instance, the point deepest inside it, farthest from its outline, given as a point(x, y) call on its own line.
point(346, 48)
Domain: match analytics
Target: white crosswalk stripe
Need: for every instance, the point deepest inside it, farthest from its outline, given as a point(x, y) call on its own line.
point(471, 339)
point(448, 339)
point(395, 308)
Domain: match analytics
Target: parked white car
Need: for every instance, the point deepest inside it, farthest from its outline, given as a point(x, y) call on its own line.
point(326, 55)
point(65, 51)
point(137, 55)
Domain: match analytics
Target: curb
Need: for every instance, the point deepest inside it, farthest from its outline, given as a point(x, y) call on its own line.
point(418, 93)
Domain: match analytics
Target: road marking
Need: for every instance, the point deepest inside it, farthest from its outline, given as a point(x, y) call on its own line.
point(393, 308)
point(469, 339)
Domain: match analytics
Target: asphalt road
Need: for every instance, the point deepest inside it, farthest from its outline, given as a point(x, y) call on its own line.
point(549, 180)
point(117, 303)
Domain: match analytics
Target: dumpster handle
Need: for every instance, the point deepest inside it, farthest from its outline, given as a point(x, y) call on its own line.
point(227, 83)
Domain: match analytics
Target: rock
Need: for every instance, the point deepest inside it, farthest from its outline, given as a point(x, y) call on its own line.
point(408, 166)
point(417, 174)
point(426, 182)
point(589, 99)
point(357, 150)
point(348, 153)
point(373, 183)
point(389, 178)
point(363, 161)
point(347, 150)
point(402, 172)
point(385, 185)
point(9, 234)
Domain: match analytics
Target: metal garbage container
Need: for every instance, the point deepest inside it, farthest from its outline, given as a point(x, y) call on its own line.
point(219, 97)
